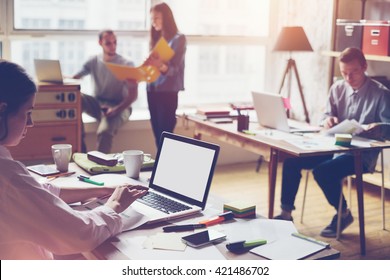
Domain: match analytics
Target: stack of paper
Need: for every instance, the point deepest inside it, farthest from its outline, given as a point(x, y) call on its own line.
point(241, 209)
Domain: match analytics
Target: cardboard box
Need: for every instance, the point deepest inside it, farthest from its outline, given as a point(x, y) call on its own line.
point(349, 33)
point(376, 37)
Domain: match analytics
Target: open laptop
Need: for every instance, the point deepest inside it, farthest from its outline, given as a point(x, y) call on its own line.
point(182, 172)
point(271, 113)
point(48, 70)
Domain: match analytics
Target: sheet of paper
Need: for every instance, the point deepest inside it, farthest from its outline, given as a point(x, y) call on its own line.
point(287, 248)
point(267, 229)
point(132, 219)
point(346, 126)
point(165, 241)
point(133, 248)
point(317, 143)
point(275, 134)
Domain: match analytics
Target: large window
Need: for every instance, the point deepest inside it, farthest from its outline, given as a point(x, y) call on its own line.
point(227, 40)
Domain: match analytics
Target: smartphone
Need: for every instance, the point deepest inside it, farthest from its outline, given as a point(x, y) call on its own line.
point(203, 238)
point(43, 170)
point(102, 158)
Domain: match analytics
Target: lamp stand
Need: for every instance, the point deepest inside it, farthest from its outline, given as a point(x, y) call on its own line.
point(291, 65)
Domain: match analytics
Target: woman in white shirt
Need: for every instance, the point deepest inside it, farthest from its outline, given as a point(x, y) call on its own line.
point(35, 219)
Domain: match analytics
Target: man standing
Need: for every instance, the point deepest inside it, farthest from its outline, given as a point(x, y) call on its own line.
point(110, 104)
point(355, 97)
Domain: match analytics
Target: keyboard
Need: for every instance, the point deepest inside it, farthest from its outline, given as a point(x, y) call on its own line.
point(162, 203)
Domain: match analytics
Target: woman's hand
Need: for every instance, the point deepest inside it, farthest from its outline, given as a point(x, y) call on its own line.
point(124, 196)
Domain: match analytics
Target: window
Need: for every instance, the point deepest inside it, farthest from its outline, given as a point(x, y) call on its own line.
point(227, 40)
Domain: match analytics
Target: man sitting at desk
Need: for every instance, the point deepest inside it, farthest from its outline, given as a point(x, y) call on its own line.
point(112, 98)
point(355, 97)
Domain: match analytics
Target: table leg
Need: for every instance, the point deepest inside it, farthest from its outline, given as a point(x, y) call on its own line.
point(272, 172)
point(359, 189)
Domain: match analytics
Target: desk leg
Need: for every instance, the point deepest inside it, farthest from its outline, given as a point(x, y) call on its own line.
point(272, 172)
point(359, 188)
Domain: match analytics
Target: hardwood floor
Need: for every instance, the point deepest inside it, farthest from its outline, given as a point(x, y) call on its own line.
point(241, 182)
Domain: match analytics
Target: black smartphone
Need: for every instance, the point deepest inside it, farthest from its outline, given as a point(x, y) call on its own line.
point(102, 158)
point(203, 238)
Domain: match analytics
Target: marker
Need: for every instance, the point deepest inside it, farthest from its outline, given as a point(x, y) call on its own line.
point(183, 227)
point(310, 239)
point(218, 219)
point(249, 132)
point(244, 246)
point(87, 180)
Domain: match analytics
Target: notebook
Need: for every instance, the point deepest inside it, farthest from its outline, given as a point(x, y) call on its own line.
point(182, 172)
point(272, 114)
point(49, 71)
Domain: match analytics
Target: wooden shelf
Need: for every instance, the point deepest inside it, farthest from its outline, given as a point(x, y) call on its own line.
point(368, 56)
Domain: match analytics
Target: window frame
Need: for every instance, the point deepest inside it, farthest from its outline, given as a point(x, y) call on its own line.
point(11, 34)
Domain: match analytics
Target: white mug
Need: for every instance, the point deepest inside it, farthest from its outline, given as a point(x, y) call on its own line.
point(133, 159)
point(61, 155)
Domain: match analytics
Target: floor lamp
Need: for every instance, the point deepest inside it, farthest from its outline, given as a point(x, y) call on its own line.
point(293, 38)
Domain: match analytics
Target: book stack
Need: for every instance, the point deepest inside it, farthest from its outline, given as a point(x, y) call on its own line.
point(241, 209)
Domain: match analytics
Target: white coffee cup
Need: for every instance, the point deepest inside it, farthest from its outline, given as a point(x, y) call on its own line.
point(133, 159)
point(61, 155)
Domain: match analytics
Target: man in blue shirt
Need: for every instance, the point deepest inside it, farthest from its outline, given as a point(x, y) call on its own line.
point(110, 104)
point(355, 97)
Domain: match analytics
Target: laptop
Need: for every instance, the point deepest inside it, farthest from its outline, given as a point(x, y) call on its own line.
point(271, 113)
point(48, 70)
point(182, 173)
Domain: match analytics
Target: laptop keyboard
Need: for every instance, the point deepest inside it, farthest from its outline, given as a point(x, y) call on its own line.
point(162, 203)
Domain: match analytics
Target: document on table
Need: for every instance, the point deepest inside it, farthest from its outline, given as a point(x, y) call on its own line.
point(136, 248)
point(288, 248)
point(347, 126)
point(313, 143)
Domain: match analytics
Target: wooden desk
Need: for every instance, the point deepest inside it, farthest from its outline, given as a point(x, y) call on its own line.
point(271, 149)
point(107, 251)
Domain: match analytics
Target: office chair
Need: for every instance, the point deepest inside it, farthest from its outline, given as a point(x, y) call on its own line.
point(349, 185)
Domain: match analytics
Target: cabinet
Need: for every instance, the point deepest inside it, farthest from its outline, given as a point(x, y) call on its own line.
point(356, 10)
point(57, 119)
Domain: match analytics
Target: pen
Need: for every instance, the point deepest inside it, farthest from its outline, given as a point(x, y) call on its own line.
point(60, 175)
point(310, 239)
point(218, 219)
point(244, 246)
point(183, 227)
point(87, 180)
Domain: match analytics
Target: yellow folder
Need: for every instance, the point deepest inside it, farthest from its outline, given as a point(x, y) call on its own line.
point(143, 73)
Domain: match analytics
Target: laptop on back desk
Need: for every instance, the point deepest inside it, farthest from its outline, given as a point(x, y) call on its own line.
point(271, 113)
point(182, 173)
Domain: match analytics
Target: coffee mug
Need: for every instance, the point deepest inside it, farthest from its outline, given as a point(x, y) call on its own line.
point(133, 159)
point(61, 155)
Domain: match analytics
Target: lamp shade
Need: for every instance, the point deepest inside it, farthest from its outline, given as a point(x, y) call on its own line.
point(292, 38)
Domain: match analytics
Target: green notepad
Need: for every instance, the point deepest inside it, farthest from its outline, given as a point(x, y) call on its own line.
point(91, 167)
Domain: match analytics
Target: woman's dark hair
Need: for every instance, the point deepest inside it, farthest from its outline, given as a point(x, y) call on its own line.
point(16, 88)
point(169, 27)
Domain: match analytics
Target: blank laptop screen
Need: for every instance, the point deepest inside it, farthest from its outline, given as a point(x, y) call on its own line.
point(184, 168)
